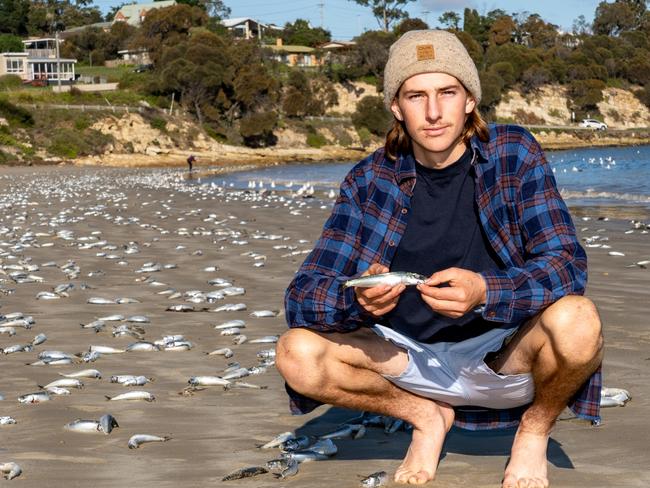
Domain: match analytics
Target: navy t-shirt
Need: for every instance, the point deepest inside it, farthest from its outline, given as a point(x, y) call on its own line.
point(443, 231)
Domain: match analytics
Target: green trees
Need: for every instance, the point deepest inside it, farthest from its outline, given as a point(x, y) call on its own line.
point(387, 12)
point(10, 44)
point(302, 34)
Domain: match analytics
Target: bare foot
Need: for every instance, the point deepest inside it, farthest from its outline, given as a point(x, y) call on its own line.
point(527, 466)
point(421, 461)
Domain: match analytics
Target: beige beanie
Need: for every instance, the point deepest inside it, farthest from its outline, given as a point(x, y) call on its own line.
point(429, 51)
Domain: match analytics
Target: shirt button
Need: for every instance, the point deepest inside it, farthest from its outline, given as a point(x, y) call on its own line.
point(492, 314)
point(391, 243)
point(405, 210)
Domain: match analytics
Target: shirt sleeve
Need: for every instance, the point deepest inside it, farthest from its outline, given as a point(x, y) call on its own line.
point(316, 298)
point(552, 262)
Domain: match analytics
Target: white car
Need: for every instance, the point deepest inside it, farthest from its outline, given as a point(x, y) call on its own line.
point(593, 124)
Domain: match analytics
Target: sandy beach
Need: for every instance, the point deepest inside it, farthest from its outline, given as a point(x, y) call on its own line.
point(50, 216)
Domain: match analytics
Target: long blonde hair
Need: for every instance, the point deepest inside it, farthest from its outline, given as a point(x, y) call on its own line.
point(398, 140)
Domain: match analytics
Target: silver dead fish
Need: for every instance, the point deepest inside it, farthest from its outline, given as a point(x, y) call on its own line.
point(133, 395)
point(380, 478)
point(390, 279)
point(138, 439)
point(10, 470)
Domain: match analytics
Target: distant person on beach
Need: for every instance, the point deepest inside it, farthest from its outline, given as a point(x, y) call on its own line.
point(497, 334)
point(190, 160)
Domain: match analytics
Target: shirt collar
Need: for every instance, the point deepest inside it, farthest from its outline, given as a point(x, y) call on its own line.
point(404, 167)
point(479, 146)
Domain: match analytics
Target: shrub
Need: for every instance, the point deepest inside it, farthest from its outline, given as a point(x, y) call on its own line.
point(316, 139)
point(528, 118)
point(8, 82)
point(372, 115)
point(158, 123)
point(257, 129)
point(364, 136)
point(15, 114)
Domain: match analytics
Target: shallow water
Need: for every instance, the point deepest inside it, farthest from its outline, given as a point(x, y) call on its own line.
point(611, 176)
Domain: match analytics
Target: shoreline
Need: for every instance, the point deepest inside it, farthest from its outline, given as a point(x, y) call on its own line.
point(229, 158)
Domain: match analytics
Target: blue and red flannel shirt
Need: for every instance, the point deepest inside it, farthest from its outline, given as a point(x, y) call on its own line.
point(524, 218)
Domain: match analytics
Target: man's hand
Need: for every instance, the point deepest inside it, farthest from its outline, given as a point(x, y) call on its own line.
point(466, 290)
point(378, 300)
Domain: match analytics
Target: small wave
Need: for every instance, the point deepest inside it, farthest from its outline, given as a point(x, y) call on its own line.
point(605, 195)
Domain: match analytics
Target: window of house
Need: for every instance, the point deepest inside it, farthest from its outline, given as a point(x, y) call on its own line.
point(14, 65)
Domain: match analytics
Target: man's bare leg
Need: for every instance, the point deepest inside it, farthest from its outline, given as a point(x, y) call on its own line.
point(346, 370)
point(562, 347)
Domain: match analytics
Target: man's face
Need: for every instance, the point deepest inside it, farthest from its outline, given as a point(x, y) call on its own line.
point(434, 107)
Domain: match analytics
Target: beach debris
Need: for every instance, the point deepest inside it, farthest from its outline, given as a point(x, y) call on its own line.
point(137, 440)
point(133, 395)
point(245, 473)
point(6, 420)
point(346, 431)
point(264, 313)
point(130, 380)
point(278, 440)
point(374, 480)
point(36, 397)
point(10, 470)
point(285, 467)
point(104, 425)
point(614, 397)
point(84, 373)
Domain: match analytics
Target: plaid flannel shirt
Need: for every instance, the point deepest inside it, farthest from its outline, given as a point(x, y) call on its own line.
point(523, 215)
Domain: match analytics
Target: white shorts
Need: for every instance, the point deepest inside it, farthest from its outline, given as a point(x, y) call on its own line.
point(456, 373)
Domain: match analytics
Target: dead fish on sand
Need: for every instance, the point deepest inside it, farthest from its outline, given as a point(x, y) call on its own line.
point(36, 397)
point(85, 373)
point(614, 397)
point(390, 279)
point(10, 470)
point(286, 467)
point(278, 440)
point(133, 395)
point(380, 478)
point(138, 439)
point(245, 473)
point(264, 313)
point(104, 425)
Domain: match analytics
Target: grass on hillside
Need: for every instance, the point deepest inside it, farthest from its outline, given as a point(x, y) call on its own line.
point(112, 75)
point(45, 95)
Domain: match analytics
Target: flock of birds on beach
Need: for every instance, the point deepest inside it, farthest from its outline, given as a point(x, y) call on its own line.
point(30, 232)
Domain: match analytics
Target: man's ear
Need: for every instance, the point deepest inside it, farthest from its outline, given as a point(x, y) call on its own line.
point(394, 107)
point(470, 104)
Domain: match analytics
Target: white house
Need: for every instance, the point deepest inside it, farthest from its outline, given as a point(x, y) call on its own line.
point(38, 62)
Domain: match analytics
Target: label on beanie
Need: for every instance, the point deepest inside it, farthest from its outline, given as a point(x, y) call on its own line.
point(425, 51)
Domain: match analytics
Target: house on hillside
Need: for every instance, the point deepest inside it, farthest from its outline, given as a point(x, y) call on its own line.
point(135, 13)
point(295, 56)
point(39, 63)
point(245, 27)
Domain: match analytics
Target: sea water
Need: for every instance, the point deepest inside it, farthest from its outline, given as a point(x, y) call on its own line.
point(607, 176)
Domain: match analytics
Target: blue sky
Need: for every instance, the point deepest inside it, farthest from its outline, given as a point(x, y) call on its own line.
point(346, 19)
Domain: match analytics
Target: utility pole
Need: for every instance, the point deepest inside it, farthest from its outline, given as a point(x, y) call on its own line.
point(322, 15)
point(58, 57)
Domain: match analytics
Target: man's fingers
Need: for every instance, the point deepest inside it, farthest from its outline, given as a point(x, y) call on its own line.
point(443, 293)
point(375, 268)
point(444, 276)
point(445, 307)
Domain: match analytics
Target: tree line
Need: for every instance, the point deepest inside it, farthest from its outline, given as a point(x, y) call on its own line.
point(238, 91)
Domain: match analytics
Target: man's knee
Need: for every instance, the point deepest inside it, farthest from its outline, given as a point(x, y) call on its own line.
point(298, 355)
point(574, 328)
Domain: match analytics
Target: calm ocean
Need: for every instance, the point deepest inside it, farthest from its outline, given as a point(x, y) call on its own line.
point(590, 176)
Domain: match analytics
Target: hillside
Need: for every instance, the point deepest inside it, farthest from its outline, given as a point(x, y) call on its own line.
point(150, 137)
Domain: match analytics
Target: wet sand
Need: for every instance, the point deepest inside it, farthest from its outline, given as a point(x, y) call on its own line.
point(215, 431)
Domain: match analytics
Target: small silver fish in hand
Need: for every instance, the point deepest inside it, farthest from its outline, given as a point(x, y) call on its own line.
point(391, 279)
